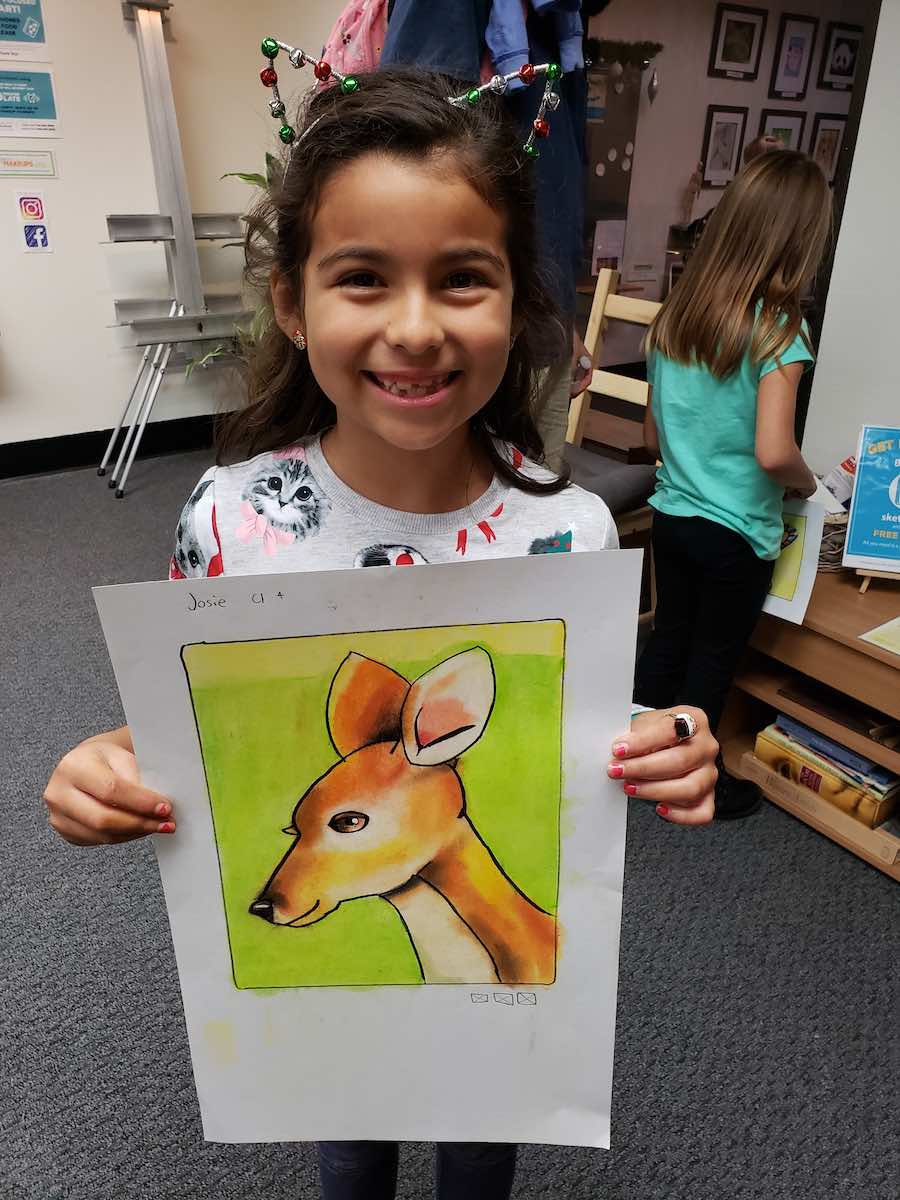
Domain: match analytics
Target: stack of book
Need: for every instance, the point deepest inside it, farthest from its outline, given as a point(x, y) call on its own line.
point(856, 785)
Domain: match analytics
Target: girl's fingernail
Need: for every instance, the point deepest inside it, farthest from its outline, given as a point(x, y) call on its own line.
point(167, 827)
point(620, 749)
point(630, 789)
point(163, 810)
point(615, 770)
point(662, 810)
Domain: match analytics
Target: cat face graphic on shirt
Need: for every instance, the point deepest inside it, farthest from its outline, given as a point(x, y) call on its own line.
point(284, 491)
point(195, 542)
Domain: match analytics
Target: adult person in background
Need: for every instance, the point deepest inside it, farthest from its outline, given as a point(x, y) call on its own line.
point(473, 39)
point(761, 145)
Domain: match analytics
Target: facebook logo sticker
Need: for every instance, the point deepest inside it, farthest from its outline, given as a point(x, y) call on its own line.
point(36, 237)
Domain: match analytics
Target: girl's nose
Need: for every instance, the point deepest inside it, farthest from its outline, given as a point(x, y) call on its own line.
point(412, 326)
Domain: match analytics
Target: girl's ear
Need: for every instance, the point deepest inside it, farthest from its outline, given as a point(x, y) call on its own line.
point(448, 707)
point(364, 704)
point(285, 303)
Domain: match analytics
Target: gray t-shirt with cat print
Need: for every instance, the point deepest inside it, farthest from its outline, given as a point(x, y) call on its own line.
point(287, 511)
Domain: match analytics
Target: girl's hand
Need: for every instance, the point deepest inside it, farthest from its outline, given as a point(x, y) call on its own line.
point(95, 797)
point(680, 777)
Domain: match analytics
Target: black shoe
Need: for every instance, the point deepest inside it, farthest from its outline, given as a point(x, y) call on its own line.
point(735, 798)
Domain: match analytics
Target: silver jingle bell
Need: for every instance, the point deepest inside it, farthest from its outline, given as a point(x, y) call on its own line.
point(276, 108)
point(553, 100)
point(498, 84)
point(297, 58)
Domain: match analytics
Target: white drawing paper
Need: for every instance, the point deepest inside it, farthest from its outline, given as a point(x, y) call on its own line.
point(395, 888)
point(795, 569)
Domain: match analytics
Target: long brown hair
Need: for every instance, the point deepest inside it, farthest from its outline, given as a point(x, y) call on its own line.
point(406, 113)
point(761, 247)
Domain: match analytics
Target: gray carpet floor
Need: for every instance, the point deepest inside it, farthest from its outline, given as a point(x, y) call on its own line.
point(757, 1050)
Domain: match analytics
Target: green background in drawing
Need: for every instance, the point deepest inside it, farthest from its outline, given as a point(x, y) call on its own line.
point(260, 711)
point(786, 574)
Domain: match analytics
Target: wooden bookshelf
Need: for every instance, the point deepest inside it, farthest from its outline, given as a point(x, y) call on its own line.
point(825, 649)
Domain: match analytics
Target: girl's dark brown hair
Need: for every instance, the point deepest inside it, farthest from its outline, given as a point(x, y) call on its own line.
point(405, 113)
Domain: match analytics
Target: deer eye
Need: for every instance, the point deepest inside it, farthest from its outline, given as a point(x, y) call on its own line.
point(348, 822)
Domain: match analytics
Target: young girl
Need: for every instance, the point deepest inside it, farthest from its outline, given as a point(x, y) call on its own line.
point(389, 409)
point(725, 356)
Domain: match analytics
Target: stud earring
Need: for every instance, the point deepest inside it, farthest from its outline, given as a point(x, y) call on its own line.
point(299, 340)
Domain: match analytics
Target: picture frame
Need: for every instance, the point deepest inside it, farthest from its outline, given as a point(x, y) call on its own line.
point(788, 125)
point(723, 144)
point(737, 42)
point(826, 141)
point(840, 56)
point(793, 57)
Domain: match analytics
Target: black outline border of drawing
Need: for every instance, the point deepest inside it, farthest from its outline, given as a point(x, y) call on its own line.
point(364, 633)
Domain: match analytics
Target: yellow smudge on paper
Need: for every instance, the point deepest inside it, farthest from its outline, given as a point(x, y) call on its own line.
point(221, 1042)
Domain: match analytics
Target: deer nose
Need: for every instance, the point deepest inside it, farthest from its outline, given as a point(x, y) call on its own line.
point(263, 908)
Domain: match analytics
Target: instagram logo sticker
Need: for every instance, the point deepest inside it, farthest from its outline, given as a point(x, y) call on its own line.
point(31, 208)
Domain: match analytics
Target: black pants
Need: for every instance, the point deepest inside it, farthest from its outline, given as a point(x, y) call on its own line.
point(368, 1170)
point(710, 588)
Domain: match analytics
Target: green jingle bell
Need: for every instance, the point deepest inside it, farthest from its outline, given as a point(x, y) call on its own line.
point(287, 134)
point(473, 95)
point(349, 84)
point(269, 47)
point(531, 151)
point(554, 70)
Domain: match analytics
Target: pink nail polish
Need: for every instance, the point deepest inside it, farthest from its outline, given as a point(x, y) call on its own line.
point(615, 770)
point(630, 789)
point(620, 749)
point(162, 810)
point(167, 827)
point(662, 810)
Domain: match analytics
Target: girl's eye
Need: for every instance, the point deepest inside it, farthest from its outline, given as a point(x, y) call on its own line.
point(460, 280)
point(348, 822)
point(274, 483)
point(361, 279)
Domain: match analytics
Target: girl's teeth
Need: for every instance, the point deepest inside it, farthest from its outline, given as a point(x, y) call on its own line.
point(413, 389)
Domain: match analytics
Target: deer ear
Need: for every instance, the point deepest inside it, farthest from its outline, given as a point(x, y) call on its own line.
point(448, 707)
point(364, 704)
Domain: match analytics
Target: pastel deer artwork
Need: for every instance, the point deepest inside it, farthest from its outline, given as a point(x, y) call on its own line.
point(389, 819)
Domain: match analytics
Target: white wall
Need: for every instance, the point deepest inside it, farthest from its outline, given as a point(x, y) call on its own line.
point(856, 377)
point(61, 369)
point(669, 138)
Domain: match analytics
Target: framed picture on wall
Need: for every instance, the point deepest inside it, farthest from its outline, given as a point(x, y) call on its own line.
point(793, 57)
point(786, 125)
point(723, 141)
point(840, 54)
point(826, 141)
point(737, 42)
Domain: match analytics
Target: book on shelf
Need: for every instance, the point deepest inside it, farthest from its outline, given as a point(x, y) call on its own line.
point(854, 764)
point(869, 799)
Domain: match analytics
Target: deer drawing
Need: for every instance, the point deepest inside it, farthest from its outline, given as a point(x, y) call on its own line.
point(389, 819)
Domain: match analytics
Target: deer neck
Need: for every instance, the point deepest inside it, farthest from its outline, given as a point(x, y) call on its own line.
point(519, 936)
point(447, 949)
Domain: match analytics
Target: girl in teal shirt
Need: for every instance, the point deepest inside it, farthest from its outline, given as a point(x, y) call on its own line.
point(724, 358)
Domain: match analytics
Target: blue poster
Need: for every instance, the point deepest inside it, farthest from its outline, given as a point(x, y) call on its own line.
point(27, 104)
point(873, 534)
point(22, 33)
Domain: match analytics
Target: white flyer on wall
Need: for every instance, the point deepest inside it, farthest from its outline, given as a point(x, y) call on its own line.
point(395, 886)
point(23, 34)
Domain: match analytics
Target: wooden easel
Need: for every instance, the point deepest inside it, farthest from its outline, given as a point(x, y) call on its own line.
point(868, 576)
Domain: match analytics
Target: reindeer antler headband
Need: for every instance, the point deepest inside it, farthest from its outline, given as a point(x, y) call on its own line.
point(324, 72)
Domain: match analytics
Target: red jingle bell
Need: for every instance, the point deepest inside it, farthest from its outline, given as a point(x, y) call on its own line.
point(269, 76)
point(526, 73)
point(541, 127)
point(322, 71)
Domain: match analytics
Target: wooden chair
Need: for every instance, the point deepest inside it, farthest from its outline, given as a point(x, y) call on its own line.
point(590, 470)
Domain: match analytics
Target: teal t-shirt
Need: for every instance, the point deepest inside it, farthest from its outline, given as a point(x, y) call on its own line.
point(707, 442)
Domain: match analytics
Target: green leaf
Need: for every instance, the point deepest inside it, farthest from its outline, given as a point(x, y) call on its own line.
point(274, 170)
point(248, 177)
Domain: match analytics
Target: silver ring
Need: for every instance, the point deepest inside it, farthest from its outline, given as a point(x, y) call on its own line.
point(685, 725)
